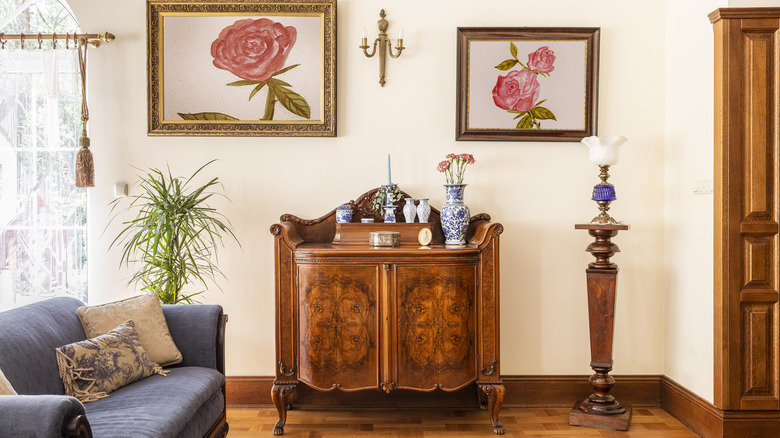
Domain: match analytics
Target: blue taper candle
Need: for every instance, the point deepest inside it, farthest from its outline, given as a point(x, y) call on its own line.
point(389, 179)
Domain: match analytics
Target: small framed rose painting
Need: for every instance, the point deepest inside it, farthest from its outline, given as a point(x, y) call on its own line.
point(242, 67)
point(527, 84)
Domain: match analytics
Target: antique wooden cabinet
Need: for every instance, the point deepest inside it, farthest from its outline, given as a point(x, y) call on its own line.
point(353, 317)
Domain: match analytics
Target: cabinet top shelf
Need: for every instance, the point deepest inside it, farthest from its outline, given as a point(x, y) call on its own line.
point(319, 233)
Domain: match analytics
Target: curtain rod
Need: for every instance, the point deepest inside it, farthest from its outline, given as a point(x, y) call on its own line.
point(92, 39)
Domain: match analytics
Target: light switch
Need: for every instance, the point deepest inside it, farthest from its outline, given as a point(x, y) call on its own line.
point(702, 186)
point(120, 190)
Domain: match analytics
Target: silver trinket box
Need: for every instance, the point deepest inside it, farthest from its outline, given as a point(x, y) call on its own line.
point(384, 238)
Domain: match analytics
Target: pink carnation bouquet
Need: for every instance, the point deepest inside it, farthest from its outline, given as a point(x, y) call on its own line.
point(455, 166)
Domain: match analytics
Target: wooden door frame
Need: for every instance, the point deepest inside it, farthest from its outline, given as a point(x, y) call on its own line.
point(746, 209)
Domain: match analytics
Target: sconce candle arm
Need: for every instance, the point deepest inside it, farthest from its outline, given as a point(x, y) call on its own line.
point(365, 47)
point(400, 48)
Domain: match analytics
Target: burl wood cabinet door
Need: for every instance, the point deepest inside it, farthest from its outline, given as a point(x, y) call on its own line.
point(435, 325)
point(338, 326)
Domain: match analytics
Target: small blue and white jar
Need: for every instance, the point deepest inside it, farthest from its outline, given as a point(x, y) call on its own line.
point(344, 214)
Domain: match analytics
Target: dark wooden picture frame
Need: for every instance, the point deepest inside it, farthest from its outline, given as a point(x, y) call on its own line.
point(212, 72)
point(534, 73)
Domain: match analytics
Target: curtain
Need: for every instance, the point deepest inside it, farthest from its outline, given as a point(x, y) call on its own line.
point(42, 212)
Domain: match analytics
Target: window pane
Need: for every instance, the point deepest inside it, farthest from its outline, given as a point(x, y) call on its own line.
point(42, 213)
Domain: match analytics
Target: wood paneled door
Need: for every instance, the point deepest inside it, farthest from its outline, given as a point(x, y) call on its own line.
point(747, 208)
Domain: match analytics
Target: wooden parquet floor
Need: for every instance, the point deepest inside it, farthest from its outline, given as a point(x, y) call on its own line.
point(518, 422)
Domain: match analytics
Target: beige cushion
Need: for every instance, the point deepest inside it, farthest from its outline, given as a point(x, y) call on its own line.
point(93, 368)
point(5, 385)
point(146, 312)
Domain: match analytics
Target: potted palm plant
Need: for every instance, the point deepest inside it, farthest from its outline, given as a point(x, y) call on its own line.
point(174, 235)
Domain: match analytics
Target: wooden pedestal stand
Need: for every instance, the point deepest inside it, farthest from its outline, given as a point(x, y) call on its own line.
point(601, 410)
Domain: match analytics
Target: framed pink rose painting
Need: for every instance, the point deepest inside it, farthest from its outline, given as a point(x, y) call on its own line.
point(263, 68)
point(527, 84)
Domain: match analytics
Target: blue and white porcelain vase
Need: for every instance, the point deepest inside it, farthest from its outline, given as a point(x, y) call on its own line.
point(423, 210)
point(410, 210)
point(455, 215)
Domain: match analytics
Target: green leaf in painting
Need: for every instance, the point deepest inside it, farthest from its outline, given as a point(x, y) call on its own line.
point(242, 83)
point(525, 123)
point(513, 50)
point(206, 116)
point(292, 101)
point(519, 114)
point(542, 113)
point(541, 102)
point(506, 65)
point(279, 82)
point(257, 88)
point(285, 69)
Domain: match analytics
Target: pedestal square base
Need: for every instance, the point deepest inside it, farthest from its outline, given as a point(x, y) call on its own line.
point(612, 422)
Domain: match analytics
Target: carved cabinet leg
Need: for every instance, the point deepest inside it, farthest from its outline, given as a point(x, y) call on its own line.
point(495, 394)
point(281, 394)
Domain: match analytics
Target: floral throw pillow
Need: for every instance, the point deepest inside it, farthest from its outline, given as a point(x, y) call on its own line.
point(91, 369)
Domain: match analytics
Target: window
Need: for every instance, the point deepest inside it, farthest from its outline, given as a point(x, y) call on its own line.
point(42, 213)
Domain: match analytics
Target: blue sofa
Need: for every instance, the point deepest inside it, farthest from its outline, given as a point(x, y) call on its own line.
point(188, 402)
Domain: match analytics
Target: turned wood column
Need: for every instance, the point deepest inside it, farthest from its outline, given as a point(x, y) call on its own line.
point(600, 409)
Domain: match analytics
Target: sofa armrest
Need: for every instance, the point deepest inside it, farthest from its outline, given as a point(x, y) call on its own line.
point(43, 415)
point(199, 333)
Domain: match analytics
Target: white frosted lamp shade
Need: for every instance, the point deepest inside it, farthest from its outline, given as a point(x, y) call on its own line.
point(604, 151)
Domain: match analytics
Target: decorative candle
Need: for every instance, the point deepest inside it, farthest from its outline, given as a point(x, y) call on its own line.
point(401, 34)
point(363, 34)
point(389, 179)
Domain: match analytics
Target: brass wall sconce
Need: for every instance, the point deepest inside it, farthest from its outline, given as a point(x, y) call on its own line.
point(385, 45)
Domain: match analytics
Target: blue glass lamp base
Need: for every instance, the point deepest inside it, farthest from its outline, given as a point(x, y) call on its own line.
point(603, 192)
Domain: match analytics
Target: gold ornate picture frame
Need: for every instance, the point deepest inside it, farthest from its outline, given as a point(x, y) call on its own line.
point(527, 84)
point(241, 67)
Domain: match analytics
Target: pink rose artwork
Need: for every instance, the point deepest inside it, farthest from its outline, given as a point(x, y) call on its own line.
point(256, 50)
point(541, 60)
point(253, 49)
point(517, 92)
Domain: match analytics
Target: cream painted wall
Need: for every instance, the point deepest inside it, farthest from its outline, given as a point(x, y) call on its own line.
point(689, 344)
point(538, 191)
point(689, 221)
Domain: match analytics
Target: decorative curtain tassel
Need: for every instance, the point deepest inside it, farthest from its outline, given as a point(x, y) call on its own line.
point(85, 166)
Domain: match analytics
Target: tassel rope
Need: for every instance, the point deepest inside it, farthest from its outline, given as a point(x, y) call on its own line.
point(69, 374)
point(85, 166)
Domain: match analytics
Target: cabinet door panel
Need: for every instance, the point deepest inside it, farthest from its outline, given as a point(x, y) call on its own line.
point(436, 334)
point(338, 325)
